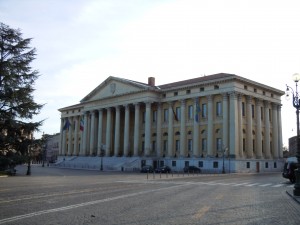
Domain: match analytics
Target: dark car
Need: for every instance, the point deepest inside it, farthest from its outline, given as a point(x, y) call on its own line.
point(147, 169)
point(163, 169)
point(192, 169)
point(289, 171)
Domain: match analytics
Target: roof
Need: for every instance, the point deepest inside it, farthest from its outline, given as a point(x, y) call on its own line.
point(196, 80)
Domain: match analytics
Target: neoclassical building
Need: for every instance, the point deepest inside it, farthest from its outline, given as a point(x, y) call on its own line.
point(210, 121)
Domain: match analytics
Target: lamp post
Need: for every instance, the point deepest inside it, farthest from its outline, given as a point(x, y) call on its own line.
point(296, 104)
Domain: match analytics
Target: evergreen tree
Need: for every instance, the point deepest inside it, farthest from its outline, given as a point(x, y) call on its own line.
point(17, 78)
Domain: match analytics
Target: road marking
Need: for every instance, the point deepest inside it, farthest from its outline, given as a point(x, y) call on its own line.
point(265, 185)
point(278, 185)
point(201, 212)
point(240, 184)
point(38, 213)
point(250, 185)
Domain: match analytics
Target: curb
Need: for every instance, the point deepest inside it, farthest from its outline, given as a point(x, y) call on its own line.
point(296, 199)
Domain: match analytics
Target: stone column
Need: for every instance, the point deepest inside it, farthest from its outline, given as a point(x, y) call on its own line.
point(249, 135)
point(196, 130)
point(170, 131)
point(225, 122)
point(64, 142)
point(108, 132)
point(158, 131)
point(100, 124)
point(258, 134)
point(210, 125)
point(117, 132)
point(148, 129)
point(233, 126)
point(280, 133)
point(182, 130)
point(267, 131)
point(126, 130)
point(92, 134)
point(240, 126)
point(76, 122)
point(61, 137)
point(85, 134)
point(275, 131)
point(70, 129)
point(136, 130)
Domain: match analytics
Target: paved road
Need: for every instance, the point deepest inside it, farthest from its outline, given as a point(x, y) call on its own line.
point(61, 196)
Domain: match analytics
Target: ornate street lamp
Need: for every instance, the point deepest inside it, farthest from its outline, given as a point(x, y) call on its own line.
point(296, 104)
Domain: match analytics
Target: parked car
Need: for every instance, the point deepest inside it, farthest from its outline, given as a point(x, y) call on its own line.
point(192, 169)
point(163, 169)
point(147, 169)
point(289, 171)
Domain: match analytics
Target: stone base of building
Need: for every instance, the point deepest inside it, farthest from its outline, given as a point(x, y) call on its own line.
point(207, 165)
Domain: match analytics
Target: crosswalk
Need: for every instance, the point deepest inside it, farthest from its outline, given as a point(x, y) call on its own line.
point(213, 183)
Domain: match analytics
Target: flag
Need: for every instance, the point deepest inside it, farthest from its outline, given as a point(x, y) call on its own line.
point(175, 116)
point(81, 124)
point(67, 125)
point(197, 111)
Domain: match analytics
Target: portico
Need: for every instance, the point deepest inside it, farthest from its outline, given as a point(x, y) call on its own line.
point(195, 118)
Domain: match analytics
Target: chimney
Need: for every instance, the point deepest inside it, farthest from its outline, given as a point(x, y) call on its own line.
point(151, 81)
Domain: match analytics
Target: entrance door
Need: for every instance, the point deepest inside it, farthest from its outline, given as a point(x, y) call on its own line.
point(155, 164)
point(257, 167)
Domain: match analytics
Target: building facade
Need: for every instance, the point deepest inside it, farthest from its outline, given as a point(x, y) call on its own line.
point(198, 121)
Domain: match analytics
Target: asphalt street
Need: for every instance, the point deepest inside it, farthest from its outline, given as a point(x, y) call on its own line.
point(63, 196)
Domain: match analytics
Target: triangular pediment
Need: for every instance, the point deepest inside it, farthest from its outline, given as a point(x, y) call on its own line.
point(114, 86)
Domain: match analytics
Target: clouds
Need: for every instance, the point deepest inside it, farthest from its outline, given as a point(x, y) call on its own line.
point(82, 42)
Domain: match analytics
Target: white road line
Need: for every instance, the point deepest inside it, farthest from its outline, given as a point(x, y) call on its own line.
point(242, 184)
point(278, 185)
point(265, 185)
point(15, 218)
point(250, 185)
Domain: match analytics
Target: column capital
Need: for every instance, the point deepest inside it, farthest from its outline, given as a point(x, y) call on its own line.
point(209, 98)
point(249, 99)
point(182, 101)
point(225, 96)
point(266, 103)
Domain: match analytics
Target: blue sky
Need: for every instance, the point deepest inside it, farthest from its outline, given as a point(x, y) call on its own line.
point(82, 42)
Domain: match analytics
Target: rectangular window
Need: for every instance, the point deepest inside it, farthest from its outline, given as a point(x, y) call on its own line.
point(252, 111)
point(143, 146)
point(243, 108)
point(201, 89)
point(262, 146)
point(166, 115)
point(200, 164)
point(144, 117)
point(154, 116)
point(218, 109)
point(177, 147)
point(188, 91)
point(190, 145)
point(262, 113)
point(215, 164)
point(178, 113)
point(219, 144)
point(253, 145)
point(153, 146)
point(174, 163)
point(275, 165)
point(165, 148)
point(267, 165)
point(203, 111)
point(191, 112)
point(248, 165)
point(204, 144)
point(244, 144)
